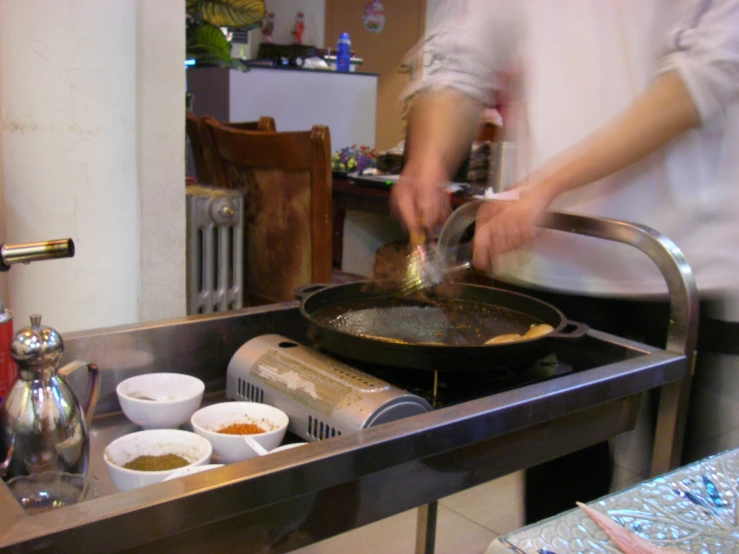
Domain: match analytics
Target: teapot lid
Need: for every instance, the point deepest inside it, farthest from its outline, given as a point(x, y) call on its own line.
point(36, 345)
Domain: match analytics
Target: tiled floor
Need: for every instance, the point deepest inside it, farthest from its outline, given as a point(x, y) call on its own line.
point(467, 522)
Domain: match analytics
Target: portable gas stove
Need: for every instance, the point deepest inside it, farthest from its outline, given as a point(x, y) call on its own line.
point(324, 395)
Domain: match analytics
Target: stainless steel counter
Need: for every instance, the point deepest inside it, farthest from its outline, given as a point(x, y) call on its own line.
point(286, 500)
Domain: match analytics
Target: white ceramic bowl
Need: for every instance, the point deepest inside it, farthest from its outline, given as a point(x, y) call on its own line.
point(287, 447)
point(155, 442)
point(160, 400)
point(189, 470)
point(232, 448)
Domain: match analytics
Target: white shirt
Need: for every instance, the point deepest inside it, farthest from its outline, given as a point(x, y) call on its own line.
point(578, 63)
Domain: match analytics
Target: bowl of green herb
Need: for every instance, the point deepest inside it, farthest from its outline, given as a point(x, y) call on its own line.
point(147, 457)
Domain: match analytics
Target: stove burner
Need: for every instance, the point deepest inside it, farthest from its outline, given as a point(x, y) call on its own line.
point(447, 388)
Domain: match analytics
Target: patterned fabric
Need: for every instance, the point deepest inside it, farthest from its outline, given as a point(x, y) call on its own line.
point(693, 508)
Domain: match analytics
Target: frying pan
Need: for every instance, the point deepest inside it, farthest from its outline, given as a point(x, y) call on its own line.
point(442, 329)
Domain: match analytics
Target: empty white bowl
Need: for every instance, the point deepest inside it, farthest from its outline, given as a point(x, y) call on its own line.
point(155, 442)
point(160, 400)
point(232, 448)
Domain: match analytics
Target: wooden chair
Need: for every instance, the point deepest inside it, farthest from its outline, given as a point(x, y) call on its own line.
point(286, 178)
point(265, 123)
point(203, 172)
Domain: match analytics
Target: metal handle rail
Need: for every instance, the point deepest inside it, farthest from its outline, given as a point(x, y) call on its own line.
point(682, 332)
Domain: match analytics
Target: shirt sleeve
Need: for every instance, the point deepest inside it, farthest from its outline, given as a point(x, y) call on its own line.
point(703, 47)
point(470, 51)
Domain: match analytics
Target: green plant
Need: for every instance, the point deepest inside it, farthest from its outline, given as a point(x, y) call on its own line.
point(206, 43)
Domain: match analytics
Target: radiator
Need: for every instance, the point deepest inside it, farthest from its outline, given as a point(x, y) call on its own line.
point(215, 249)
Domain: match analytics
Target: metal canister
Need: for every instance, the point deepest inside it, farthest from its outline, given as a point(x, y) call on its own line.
point(8, 368)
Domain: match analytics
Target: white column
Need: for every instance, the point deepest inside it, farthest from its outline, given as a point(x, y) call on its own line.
point(68, 116)
point(161, 157)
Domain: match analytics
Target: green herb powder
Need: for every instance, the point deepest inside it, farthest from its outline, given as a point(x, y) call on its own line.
point(156, 463)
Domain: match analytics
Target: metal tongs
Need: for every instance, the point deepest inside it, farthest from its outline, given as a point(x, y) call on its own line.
point(427, 265)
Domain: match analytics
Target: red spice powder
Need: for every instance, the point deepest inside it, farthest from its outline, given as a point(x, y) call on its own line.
point(240, 429)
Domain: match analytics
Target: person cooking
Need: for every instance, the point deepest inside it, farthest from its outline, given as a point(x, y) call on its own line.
point(624, 109)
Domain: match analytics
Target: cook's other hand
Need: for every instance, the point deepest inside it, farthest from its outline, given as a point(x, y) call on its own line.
point(505, 226)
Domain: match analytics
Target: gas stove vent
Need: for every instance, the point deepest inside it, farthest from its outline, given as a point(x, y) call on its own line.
point(320, 430)
point(250, 392)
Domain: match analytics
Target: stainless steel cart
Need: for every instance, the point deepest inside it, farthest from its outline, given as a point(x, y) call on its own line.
point(287, 500)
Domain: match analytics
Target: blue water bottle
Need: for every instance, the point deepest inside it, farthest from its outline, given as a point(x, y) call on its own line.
point(343, 53)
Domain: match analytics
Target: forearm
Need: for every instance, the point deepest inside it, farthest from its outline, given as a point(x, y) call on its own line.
point(441, 127)
point(663, 112)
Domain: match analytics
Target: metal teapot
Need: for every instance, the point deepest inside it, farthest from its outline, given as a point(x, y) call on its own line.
point(42, 426)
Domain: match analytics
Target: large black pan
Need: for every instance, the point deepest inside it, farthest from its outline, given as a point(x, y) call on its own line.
point(444, 329)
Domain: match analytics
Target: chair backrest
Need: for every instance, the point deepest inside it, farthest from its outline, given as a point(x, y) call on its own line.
point(203, 171)
point(265, 123)
point(286, 178)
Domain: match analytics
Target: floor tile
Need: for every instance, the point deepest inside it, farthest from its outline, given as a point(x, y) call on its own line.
point(397, 535)
point(497, 505)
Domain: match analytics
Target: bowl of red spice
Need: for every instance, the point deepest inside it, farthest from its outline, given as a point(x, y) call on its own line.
point(147, 457)
point(226, 423)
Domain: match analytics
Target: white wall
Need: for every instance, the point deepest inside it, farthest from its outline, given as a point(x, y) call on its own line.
point(285, 12)
point(91, 150)
point(344, 102)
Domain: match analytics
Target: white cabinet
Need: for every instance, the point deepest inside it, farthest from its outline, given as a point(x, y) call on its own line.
point(296, 98)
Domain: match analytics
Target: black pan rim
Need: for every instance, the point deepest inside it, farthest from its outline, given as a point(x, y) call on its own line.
point(390, 345)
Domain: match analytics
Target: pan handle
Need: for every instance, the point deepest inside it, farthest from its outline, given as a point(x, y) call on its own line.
point(571, 330)
point(301, 292)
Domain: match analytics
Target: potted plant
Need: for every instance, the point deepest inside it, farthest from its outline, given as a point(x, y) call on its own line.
point(207, 44)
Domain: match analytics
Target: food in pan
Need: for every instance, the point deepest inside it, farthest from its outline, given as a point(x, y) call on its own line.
point(533, 332)
point(502, 339)
point(538, 331)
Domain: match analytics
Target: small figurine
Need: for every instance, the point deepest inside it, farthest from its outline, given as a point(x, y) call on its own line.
point(373, 18)
point(298, 29)
point(268, 26)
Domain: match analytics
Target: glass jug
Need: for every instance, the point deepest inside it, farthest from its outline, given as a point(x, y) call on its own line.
point(42, 425)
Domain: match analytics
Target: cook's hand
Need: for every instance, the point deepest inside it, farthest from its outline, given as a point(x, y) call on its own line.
point(418, 198)
point(504, 226)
